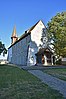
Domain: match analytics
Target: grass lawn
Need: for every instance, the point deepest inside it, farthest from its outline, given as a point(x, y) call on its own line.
point(16, 83)
point(58, 72)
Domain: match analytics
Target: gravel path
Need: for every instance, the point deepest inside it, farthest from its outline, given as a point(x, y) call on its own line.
point(51, 81)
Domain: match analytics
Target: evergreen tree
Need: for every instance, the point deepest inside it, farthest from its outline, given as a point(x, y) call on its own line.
point(2, 49)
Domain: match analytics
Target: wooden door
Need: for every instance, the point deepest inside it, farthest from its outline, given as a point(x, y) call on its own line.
point(43, 59)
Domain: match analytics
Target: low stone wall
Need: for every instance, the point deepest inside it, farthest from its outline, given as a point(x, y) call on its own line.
point(64, 61)
point(3, 61)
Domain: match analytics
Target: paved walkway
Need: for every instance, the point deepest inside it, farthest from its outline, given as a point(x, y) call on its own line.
point(40, 67)
point(51, 81)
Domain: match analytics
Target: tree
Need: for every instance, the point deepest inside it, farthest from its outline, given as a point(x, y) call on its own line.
point(2, 49)
point(57, 33)
point(44, 39)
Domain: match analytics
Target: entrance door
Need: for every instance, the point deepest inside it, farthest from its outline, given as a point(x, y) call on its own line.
point(43, 60)
point(40, 59)
point(43, 56)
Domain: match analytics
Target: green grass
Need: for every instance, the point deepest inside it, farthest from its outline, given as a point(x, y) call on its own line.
point(16, 83)
point(58, 72)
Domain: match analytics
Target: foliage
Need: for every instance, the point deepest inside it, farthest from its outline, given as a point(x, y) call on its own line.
point(2, 49)
point(57, 33)
point(44, 39)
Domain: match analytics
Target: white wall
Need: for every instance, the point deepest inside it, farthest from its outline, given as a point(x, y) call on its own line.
point(36, 34)
point(31, 53)
point(10, 54)
point(21, 54)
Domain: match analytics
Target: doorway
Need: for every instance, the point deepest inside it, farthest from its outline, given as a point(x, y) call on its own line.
point(43, 60)
point(43, 56)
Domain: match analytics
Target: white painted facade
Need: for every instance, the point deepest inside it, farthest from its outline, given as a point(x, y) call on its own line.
point(36, 34)
point(23, 51)
point(10, 54)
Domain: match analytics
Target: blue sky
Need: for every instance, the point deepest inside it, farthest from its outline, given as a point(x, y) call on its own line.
point(24, 14)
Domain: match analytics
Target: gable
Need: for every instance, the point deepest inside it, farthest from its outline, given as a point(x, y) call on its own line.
point(36, 33)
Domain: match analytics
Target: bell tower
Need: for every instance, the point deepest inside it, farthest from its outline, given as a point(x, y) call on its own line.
point(14, 36)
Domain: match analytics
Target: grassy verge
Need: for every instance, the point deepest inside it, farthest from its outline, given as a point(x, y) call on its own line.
point(59, 73)
point(16, 83)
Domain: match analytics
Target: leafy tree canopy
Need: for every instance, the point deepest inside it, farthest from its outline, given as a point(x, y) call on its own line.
point(2, 49)
point(57, 33)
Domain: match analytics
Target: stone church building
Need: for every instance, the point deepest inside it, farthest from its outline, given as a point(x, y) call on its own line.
point(26, 50)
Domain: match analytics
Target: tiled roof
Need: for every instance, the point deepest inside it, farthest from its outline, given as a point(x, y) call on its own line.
point(42, 50)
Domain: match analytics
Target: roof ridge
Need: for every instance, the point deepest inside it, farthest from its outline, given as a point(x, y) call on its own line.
point(30, 29)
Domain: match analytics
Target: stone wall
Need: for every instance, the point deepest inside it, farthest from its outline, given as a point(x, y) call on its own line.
point(19, 51)
point(9, 55)
point(63, 61)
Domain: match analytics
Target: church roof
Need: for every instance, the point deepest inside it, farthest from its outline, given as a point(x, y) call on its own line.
point(27, 32)
point(42, 50)
point(33, 27)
